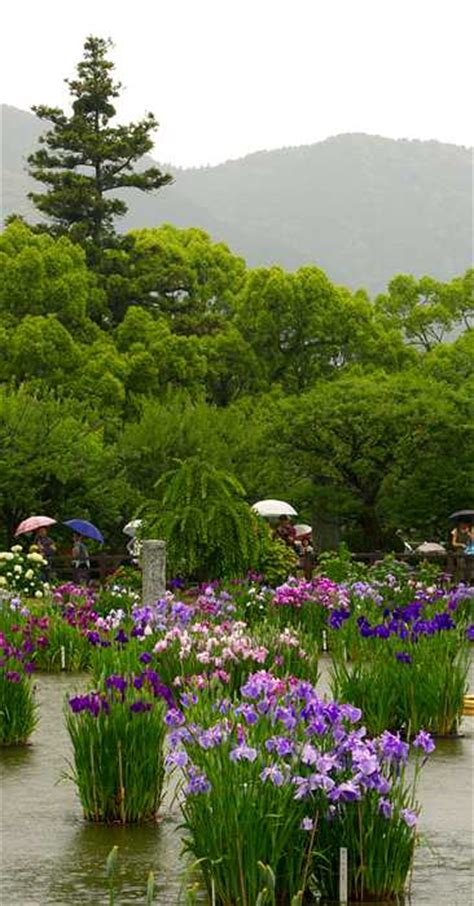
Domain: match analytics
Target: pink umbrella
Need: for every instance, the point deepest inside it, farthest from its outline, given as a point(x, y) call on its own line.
point(33, 523)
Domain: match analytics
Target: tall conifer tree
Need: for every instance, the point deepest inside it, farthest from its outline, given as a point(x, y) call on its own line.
point(83, 158)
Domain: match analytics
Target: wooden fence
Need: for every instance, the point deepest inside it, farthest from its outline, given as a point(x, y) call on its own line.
point(101, 567)
point(458, 567)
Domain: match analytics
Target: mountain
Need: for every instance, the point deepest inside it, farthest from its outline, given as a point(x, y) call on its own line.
point(362, 207)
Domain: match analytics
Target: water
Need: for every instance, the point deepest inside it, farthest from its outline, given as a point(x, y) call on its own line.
point(50, 856)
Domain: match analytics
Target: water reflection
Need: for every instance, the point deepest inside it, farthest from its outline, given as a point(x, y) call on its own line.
point(79, 876)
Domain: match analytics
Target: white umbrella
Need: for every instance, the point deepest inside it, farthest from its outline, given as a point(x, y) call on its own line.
point(132, 527)
point(273, 508)
point(430, 547)
point(302, 530)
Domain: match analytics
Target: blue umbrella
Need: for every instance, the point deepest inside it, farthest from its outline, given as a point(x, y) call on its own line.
point(82, 527)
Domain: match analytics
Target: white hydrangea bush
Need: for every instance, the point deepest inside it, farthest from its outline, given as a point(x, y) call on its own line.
point(22, 572)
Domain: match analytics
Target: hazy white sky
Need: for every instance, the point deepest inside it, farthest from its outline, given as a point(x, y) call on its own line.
point(228, 77)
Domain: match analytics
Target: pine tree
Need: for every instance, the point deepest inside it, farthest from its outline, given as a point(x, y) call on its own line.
point(83, 158)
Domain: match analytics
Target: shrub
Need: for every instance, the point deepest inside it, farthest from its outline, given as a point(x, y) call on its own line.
point(117, 734)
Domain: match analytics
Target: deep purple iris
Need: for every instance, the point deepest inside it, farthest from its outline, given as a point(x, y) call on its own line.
point(121, 637)
point(404, 657)
point(117, 682)
point(337, 617)
point(140, 706)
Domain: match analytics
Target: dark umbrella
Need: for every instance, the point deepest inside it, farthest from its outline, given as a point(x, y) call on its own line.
point(463, 515)
point(82, 527)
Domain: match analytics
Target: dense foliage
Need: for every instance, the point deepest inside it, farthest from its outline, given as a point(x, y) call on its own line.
point(121, 356)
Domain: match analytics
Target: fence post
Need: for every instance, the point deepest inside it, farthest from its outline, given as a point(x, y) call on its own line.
point(343, 878)
point(154, 570)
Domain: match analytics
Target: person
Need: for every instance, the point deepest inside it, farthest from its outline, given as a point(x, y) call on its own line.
point(80, 560)
point(462, 538)
point(286, 531)
point(134, 550)
point(47, 549)
point(306, 556)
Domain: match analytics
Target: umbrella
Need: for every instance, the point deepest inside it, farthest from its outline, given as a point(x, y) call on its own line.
point(273, 508)
point(131, 528)
point(33, 523)
point(82, 527)
point(463, 515)
point(302, 530)
point(430, 547)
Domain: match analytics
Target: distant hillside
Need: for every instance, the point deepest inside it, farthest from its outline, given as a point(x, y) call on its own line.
point(362, 207)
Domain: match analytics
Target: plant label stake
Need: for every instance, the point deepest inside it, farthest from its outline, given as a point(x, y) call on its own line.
point(63, 657)
point(325, 640)
point(343, 891)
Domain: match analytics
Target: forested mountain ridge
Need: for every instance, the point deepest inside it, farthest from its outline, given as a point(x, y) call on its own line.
point(363, 208)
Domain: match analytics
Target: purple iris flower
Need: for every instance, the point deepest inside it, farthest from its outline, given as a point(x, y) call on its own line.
point(198, 782)
point(243, 753)
point(385, 808)
point(274, 774)
point(93, 637)
point(178, 759)
point(424, 741)
point(13, 676)
point(117, 682)
point(345, 792)
point(381, 631)
point(337, 617)
point(393, 749)
point(470, 633)
point(248, 713)
point(140, 706)
point(174, 718)
point(404, 657)
point(281, 745)
point(78, 703)
point(408, 816)
point(121, 637)
point(145, 658)
point(350, 712)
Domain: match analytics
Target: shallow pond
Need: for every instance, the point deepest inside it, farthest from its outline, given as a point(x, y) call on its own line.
point(50, 856)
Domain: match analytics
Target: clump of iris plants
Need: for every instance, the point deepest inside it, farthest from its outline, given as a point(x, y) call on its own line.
point(18, 710)
point(117, 733)
point(284, 779)
point(403, 656)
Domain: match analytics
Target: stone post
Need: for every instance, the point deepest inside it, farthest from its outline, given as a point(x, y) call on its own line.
point(153, 559)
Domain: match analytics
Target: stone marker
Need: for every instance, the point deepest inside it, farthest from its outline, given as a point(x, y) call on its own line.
point(153, 559)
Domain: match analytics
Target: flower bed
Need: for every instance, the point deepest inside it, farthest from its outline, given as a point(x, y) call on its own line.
point(117, 733)
point(283, 779)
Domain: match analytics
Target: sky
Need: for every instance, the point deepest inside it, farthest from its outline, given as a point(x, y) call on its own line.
point(226, 78)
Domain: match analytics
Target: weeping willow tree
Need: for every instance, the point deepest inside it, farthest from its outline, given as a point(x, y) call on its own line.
point(210, 530)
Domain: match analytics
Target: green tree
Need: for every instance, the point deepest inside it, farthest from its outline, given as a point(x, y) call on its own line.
point(426, 310)
point(83, 158)
point(302, 327)
point(210, 530)
point(40, 275)
point(184, 276)
point(54, 459)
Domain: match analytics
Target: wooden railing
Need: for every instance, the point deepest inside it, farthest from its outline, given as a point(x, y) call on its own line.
point(458, 567)
point(101, 567)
